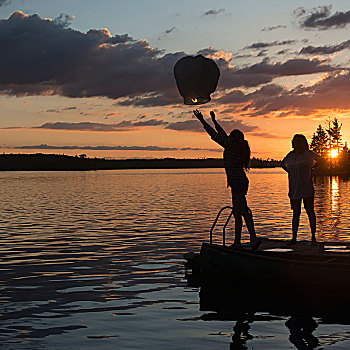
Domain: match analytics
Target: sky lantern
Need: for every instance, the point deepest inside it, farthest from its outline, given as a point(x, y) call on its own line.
point(196, 78)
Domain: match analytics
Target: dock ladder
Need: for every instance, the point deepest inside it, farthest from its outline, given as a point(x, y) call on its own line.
point(224, 228)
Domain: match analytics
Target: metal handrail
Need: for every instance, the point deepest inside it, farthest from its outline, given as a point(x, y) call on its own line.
point(224, 228)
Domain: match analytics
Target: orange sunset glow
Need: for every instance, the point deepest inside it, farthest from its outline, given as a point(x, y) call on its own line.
point(334, 153)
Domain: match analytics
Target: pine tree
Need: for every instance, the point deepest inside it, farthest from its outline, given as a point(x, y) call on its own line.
point(344, 156)
point(334, 134)
point(319, 141)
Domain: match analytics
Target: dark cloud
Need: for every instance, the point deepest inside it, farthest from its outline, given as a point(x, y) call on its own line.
point(103, 36)
point(64, 20)
point(43, 57)
point(250, 76)
point(213, 12)
point(89, 126)
point(4, 2)
point(192, 125)
point(61, 109)
point(332, 93)
point(264, 72)
point(262, 45)
point(269, 29)
point(262, 53)
point(200, 149)
point(243, 56)
point(168, 31)
point(320, 18)
point(325, 50)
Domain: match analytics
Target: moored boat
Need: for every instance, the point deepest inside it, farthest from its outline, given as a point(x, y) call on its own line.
point(322, 268)
point(299, 266)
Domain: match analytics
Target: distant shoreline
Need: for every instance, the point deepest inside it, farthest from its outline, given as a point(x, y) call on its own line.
point(57, 162)
point(60, 162)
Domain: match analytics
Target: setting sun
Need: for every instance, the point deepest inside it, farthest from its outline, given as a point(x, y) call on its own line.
point(334, 153)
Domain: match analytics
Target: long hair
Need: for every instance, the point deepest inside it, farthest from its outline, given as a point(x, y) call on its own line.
point(237, 137)
point(299, 143)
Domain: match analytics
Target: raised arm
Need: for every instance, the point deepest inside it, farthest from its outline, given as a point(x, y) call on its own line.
point(219, 138)
point(218, 127)
point(206, 126)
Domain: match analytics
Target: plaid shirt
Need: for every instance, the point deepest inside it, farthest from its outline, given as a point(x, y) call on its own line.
point(233, 162)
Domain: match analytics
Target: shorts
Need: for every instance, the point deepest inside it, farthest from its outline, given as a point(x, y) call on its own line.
point(239, 187)
point(308, 202)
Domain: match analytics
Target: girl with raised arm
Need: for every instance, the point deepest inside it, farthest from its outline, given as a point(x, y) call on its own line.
point(236, 162)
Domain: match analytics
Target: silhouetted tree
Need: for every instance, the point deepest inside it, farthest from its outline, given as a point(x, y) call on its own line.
point(334, 134)
point(344, 156)
point(319, 141)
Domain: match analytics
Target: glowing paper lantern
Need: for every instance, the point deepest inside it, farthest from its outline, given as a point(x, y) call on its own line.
point(196, 78)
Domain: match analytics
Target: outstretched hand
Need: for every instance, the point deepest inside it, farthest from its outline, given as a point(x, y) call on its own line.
point(212, 114)
point(198, 114)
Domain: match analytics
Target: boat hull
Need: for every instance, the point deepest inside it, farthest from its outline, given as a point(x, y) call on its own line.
point(262, 269)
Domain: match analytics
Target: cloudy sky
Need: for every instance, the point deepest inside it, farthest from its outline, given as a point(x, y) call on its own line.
point(96, 77)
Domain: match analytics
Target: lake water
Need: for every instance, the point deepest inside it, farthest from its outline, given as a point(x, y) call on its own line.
point(93, 260)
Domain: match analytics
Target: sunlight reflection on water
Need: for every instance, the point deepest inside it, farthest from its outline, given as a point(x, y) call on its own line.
point(98, 255)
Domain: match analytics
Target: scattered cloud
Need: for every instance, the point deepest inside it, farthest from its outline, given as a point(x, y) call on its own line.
point(100, 148)
point(325, 50)
point(89, 126)
point(262, 45)
point(321, 18)
point(166, 33)
point(60, 110)
point(264, 72)
point(214, 12)
point(4, 2)
point(269, 29)
point(115, 148)
point(331, 93)
point(192, 125)
point(64, 20)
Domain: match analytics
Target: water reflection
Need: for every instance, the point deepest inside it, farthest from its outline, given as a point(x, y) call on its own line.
point(332, 207)
point(334, 189)
point(96, 257)
point(301, 328)
point(247, 308)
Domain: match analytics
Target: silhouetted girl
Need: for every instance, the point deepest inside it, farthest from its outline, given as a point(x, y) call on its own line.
point(236, 161)
point(301, 164)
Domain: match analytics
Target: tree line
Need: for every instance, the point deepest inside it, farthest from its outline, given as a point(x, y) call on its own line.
point(327, 142)
point(39, 161)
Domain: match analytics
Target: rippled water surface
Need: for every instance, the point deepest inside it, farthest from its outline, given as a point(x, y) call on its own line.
point(93, 260)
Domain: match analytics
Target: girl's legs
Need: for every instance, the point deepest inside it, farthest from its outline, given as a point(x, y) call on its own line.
point(310, 211)
point(296, 207)
point(238, 222)
point(241, 209)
